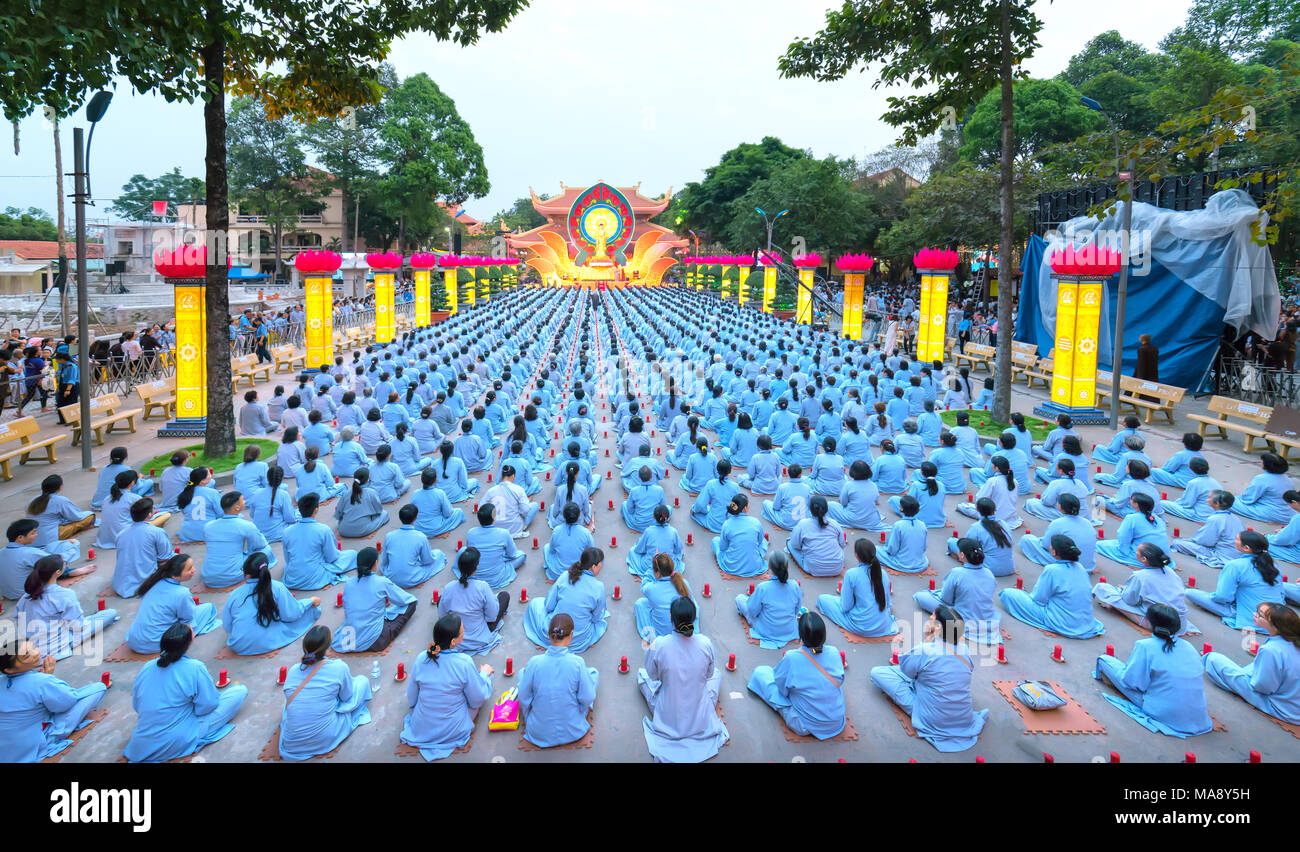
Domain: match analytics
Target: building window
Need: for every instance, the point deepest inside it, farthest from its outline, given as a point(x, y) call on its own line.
point(125, 248)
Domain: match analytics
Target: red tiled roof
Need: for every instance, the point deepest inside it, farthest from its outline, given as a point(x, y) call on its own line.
point(47, 249)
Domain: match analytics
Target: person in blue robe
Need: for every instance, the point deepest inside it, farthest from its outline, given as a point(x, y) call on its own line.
point(857, 506)
point(568, 541)
point(323, 701)
point(577, 593)
point(482, 611)
point(905, 544)
point(1110, 453)
point(141, 548)
point(890, 470)
point(680, 682)
point(1216, 541)
point(1061, 600)
point(807, 687)
point(115, 517)
point(199, 504)
point(173, 479)
point(39, 711)
point(817, 543)
point(444, 693)
point(108, 474)
point(1285, 543)
point(51, 510)
point(863, 605)
point(375, 609)
point(1077, 529)
point(408, 560)
point(740, 549)
point(348, 453)
point(250, 474)
point(51, 615)
point(1271, 682)
point(790, 504)
point(1134, 450)
point(993, 539)
point(782, 424)
point(1071, 450)
point(261, 615)
point(969, 589)
point(658, 591)
point(499, 558)
point(701, 467)
point(164, 601)
point(1176, 472)
point(178, 706)
point(557, 689)
point(1162, 678)
point(470, 448)
point(1244, 584)
point(313, 477)
point(949, 464)
point(272, 509)
point(801, 447)
point(932, 684)
point(1140, 526)
point(436, 515)
point(1155, 582)
point(827, 474)
point(710, 507)
point(18, 557)
point(313, 558)
point(453, 478)
point(360, 512)
point(229, 540)
point(659, 537)
point(570, 489)
point(386, 477)
point(638, 509)
point(1052, 444)
point(1264, 499)
point(924, 487)
point(772, 610)
point(1045, 505)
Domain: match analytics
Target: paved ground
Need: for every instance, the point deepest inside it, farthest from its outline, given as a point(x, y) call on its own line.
point(755, 730)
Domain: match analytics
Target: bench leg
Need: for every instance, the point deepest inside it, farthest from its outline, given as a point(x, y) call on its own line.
point(4, 467)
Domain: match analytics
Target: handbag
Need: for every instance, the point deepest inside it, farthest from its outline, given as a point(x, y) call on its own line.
point(1037, 695)
point(505, 713)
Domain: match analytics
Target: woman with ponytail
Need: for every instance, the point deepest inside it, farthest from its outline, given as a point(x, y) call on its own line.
point(444, 693)
point(272, 509)
point(39, 711)
point(1216, 541)
point(557, 689)
point(1064, 482)
point(659, 537)
point(60, 520)
point(482, 612)
point(1001, 489)
point(1078, 529)
point(179, 708)
point(817, 543)
point(1244, 584)
point(453, 478)
point(827, 474)
point(51, 616)
point(360, 512)
point(1265, 498)
point(1270, 683)
point(993, 539)
point(772, 611)
point(406, 452)
point(250, 474)
point(116, 514)
point(782, 423)
point(580, 595)
point(701, 467)
point(571, 488)
point(863, 605)
point(969, 589)
point(1154, 583)
point(890, 470)
point(949, 463)
point(1161, 681)
point(1061, 600)
point(313, 477)
point(680, 682)
point(710, 507)
point(932, 684)
point(880, 426)
point(570, 539)
point(164, 602)
point(653, 608)
point(323, 701)
point(857, 507)
point(807, 686)
point(740, 548)
point(199, 503)
point(924, 487)
point(173, 478)
point(801, 447)
point(1140, 526)
point(905, 545)
point(262, 615)
point(686, 444)
point(375, 609)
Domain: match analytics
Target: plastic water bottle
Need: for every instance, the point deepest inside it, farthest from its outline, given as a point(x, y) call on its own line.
point(376, 680)
point(1098, 509)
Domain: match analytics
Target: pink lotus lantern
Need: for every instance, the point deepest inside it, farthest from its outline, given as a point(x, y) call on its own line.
point(934, 258)
point(1091, 260)
point(855, 263)
point(424, 260)
point(309, 262)
point(182, 262)
point(384, 260)
point(807, 261)
point(769, 258)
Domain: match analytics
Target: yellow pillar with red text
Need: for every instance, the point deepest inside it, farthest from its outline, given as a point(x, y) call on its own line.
point(854, 284)
point(1078, 321)
point(933, 327)
point(803, 299)
point(191, 349)
point(422, 297)
point(385, 309)
point(318, 336)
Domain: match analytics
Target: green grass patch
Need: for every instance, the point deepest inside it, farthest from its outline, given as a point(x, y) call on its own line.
point(220, 464)
point(987, 427)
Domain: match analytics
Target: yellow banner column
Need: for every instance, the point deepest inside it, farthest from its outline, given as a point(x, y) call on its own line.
point(726, 285)
point(449, 281)
point(422, 263)
point(385, 266)
point(803, 299)
point(742, 292)
point(854, 284)
point(319, 333)
point(1074, 354)
point(191, 360)
point(932, 330)
point(769, 288)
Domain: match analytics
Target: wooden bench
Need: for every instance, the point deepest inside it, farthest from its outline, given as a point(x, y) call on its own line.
point(1021, 363)
point(286, 357)
point(106, 414)
point(17, 440)
point(158, 395)
point(1132, 390)
point(245, 368)
point(976, 354)
point(354, 338)
point(1042, 370)
point(1250, 420)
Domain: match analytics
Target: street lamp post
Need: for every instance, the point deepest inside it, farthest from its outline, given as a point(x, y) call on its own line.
point(1121, 300)
point(769, 223)
point(81, 194)
point(448, 230)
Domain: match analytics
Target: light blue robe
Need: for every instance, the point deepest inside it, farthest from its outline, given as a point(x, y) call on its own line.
point(477, 605)
point(408, 560)
point(499, 559)
point(139, 550)
point(710, 507)
point(854, 608)
point(857, 506)
point(229, 540)
point(406, 455)
point(1271, 683)
point(565, 547)
point(108, 474)
point(171, 481)
point(740, 549)
point(772, 612)
point(827, 476)
point(932, 684)
point(658, 538)
point(969, 589)
point(556, 690)
point(1262, 499)
point(799, 450)
point(179, 710)
point(638, 509)
point(168, 603)
point(454, 480)
point(1283, 544)
point(817, 549)
point(931, 512)
point(1167, 686)
point(1061, 602)
point(324, 711)
point(1110, 453)
point(16, 561)
point(1073, 527)
point(312, 557)
point(444, 697)
point(584, 601)
point(952, 469)
point(1143, 588)
point(653, 608)
point(1175, 473)
point(204, 507)
point(700, 468)
point(114, 518)
point(1134, 530)
point(368, 602)
point(680, 682)
point(388, 481)
point(904, 548)
point(244, 635)
point(854, 446)
point(790, 505)
point(38, 713)
point(809, 699)
point(271, 518)
point(1046, 507)
point(1215, 542)
point(1000, 561)
point(360, 519)
point(890, 473)
point(319, 481)
point(1239, 591)
point(250, 478)
point(437, 516)
point(348, 456)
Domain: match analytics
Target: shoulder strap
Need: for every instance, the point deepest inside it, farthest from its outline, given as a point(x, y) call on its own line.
point(309, 676)
point(819, 668)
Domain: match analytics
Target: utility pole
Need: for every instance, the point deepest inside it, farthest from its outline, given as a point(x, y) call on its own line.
point(83, 306)
point(62, 275)
point(1125, 242)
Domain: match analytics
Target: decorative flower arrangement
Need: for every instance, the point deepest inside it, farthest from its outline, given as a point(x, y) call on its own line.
point(935, 258)
point(742, 260)
point(855, 262)
point(384, 260)
point(182, 262)
point(1091, 260)
point(808, 261)
point(317, 261)
point(424, 260)
point(769, 258)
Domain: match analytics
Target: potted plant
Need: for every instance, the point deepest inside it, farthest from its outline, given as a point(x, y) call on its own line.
point(753, 285)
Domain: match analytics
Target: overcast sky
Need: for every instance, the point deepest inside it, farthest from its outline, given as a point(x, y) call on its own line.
point(580, 91)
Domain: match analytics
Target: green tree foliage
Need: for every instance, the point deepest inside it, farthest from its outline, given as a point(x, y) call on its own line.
point(1237, 28)
point(521, 216)
point(30, 224)
point(1047, 112)
point(138, 194)
point(706, 206)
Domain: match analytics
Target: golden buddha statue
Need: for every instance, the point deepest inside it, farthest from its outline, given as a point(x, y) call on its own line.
point(601, 256)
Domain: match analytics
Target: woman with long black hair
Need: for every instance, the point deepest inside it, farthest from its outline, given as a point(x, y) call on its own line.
point(262, 615)
point(1244, 584)
point(324, 702)
point(445, 693)
point(863, 605)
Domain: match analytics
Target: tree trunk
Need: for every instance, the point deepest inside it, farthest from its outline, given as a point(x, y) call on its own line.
point(1006, 278)
point(62, 273)
point(220, 438)
point(277, 234)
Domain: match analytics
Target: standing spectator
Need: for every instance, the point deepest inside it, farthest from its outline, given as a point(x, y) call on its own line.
point(1148, 360)
point(68, 389)
point(33, 380)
